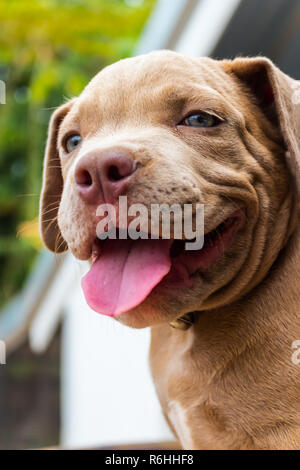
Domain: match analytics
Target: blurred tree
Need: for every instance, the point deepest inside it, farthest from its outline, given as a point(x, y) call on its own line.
point(49, 50)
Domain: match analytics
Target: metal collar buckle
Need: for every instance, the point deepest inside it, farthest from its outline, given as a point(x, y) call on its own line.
point(184, 322)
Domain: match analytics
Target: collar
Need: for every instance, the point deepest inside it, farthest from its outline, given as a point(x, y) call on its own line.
point(184, 322)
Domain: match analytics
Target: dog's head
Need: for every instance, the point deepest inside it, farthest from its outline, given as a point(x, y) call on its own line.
point(168, 129)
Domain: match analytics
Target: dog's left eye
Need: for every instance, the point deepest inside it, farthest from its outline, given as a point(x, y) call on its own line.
point(72, 142)
point(201, 120)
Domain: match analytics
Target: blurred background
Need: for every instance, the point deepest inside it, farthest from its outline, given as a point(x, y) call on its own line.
point(72, 377)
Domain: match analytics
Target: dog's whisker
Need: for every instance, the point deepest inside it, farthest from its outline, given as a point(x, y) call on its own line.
point(52, 205)
point(52, 220)
point(57, 248)
point(54, 208)
point(50, 224)
point(28, 195)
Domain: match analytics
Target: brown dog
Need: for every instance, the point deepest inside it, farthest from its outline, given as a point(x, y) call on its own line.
point(164, 128)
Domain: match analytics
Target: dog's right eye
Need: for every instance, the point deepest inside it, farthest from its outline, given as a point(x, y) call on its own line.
point(72, 142)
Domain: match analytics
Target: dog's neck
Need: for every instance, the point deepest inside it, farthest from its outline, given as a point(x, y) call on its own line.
point(248, 341)
point(262, 298)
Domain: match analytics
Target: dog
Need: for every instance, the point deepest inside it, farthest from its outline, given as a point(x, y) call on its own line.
point(166, 128)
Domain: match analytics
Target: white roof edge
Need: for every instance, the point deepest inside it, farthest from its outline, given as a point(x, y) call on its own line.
point(206, 26)
point(160, 26)
point(17, 314)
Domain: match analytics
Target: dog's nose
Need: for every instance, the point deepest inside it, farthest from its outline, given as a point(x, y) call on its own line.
point(104, 176)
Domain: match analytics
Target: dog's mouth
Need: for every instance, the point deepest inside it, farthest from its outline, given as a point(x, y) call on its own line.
point(124, 272)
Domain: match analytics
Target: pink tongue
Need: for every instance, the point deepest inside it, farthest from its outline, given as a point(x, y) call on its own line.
point(125, 273)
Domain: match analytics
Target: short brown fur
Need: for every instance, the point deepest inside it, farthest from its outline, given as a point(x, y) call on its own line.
point(228, 382)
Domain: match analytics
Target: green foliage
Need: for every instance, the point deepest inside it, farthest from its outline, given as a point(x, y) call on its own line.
point(49, 50)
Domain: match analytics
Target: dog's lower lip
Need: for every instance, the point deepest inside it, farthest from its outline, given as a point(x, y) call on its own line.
point(178, 246)
point(187, 265)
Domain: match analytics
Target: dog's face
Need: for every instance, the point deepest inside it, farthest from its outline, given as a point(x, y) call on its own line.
point(164, 128)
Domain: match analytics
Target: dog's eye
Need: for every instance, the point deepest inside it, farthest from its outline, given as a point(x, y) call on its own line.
point(201, 120)
point(72, 142)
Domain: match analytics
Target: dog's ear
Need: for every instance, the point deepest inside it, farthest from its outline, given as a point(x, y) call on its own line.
point(52, 185)
point(279, 97)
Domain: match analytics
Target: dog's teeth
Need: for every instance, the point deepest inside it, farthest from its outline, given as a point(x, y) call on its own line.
point(95, 255)
point(96, 250)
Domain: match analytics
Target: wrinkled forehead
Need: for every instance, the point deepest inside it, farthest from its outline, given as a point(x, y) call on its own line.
point(156, 71)
point(153, 69)
point(150, 83)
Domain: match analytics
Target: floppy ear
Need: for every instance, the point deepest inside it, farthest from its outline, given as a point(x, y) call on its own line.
point(279, 96)
point(52, 185)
